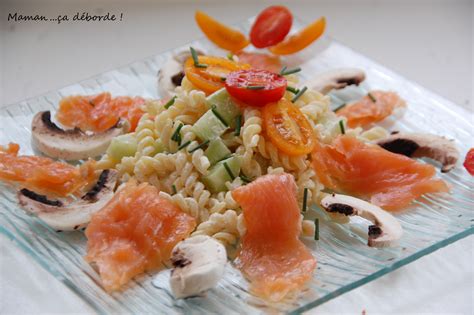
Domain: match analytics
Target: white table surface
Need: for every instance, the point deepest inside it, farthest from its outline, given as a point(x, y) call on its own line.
point(430, 42)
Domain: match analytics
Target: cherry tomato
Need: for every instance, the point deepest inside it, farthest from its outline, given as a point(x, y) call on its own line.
point(469, 162)
point(287, 128)
point(260, 61)
point(271, 26)
point(211, 77)
point(220, 34)
point(255, 87)
point(300, 40)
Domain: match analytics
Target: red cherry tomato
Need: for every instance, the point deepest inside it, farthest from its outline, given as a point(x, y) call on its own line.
point(255, 87)
point(271, 26)
point(469, 162)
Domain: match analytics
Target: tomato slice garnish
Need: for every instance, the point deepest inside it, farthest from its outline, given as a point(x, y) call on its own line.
point(469, 162)
point(223, 36)
point(300, 40)
point(256, 87)
point(287, 128)
point(210, 78)
point(260, 60)
point(271, 26)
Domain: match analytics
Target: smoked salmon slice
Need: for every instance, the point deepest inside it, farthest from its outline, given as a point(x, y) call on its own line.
point(389, 180)
point(44, 175)
point(271, 256)
point(134, 232)
point(99, 112)
point(372, 108)
point(260, 61)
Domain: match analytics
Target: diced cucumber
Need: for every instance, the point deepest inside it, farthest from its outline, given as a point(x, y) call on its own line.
point(216, 151)
point(209, 127)
point(218, 175)
point(123, 145)
point(224, 105)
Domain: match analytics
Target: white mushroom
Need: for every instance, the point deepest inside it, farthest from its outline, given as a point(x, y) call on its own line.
point(336, 79)
point(72, 144)
point(172, 73)
point(72, 215)
point(199, 264)
point(386, 230)
point(423, 145)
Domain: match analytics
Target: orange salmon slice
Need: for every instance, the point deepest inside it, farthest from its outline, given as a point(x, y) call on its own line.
point(271, 256)
point(391, 181)
point(135, 232)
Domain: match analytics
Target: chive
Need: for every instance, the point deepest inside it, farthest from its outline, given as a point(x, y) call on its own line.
point(300, 92)
point(91, 103)
point(372, 97)
point(245, 179)
point(238, 125)
point(170, 102)
point(340, 107)
point(255, 87)
point(284, 71)
point(230, 56)
point(184, 145)
point(229, 171)
point(175, 191)
point(176, 135)
point(199, 146)
point(196, 59)
point(292, 89)
point(216, 113)
point(316, 229)
point(305, 199)
point(223, 79)
point(341, 126)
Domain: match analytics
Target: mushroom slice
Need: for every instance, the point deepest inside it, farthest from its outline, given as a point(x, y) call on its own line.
point(336, 79)
point(423, 145)
point(172, 73)
point(72, 215)
point(385, 231)
point(199, 263)
point(71, 144)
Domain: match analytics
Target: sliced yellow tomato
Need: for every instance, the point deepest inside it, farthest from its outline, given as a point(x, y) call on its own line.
point(300, 40)
point(223, 36)
point(210, 77)
point(287, 128)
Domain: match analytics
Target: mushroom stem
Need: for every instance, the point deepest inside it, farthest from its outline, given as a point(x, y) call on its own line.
point(385, 231)
point(336, 79)
point(423, 145)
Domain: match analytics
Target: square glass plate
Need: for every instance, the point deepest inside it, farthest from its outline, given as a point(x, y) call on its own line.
point(344, 260)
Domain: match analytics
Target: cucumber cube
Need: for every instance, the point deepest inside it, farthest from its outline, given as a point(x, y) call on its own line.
point(121, 146)
point(224, 105)
point(218, 175)
point(217, 151)
point(209, 127)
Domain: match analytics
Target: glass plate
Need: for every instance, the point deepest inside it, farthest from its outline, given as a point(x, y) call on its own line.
point(344, 260)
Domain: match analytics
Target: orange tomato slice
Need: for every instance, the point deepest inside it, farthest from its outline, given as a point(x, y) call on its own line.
point(287, 128)
point(300, 40)
point(223, 36)
point(260, 61)
point(212, 77)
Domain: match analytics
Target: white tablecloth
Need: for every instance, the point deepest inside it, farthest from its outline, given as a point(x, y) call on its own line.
point(427, 41)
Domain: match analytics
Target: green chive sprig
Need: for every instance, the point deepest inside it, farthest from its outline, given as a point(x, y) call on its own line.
point(305, 199)
point(292, 89)
point(340, 107)
point(238, 125)
point(170, 102)
point(245, 179)
point(341, 126)
point(202, 145)
point(372, 97)
point(298, 95)
point(175, 191)
point(316, 229)
point(176, 134)
point(229, 171)
point(255, 87)
point(230, 56)
point(216, 113)
point(184, 145)
point(285, 71)
point(196, 59)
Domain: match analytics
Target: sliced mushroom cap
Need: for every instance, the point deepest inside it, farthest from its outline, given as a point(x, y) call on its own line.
point(336, 79)
point(423, 145)
point(199, 264)
point(72, 215)
point(171, 73)
point(385, 231)
point(72, 144)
